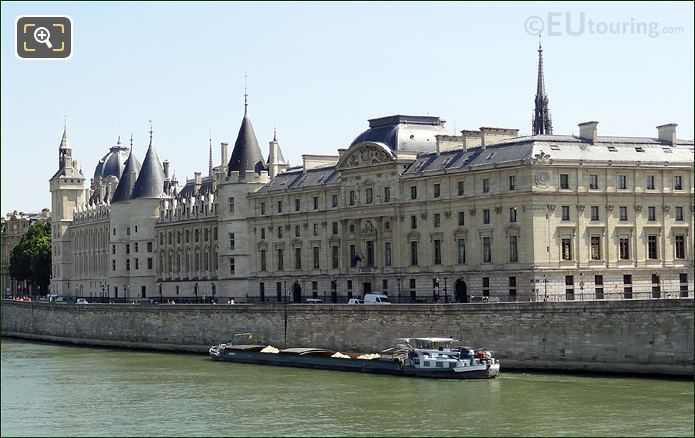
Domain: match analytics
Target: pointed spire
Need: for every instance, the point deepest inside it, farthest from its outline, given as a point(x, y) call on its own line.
point(246, 155)
point(275, 134)
point(118, 142)
point(64, 142)
point(210, 156)
point(128, 177)
point(542, 122)
point(246, 97)
point(150, 181)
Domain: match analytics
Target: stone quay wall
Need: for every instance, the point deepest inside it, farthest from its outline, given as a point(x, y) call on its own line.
point(649, 336)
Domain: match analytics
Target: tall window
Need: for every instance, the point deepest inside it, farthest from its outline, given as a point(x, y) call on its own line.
point(486, 286)
point(281, 260)
point(316, 229)
point(232, 266)
point(566, 247)
point(387, 253)
point(683, 285)
point(651, 214)
point(679, 214)
point(351, 196)
point(487, 250)
point(353, 256)
point(679, 244)
point(462, 219)
point(413, 222)
point(280, 232)
point(486, 215)
point(262, 233)
point(413, 192)
point(565, 212)
point(297, 204)
point(593, 182)
point(461, 246)
point(334, 257)
point(622, 182)
point(413, 253)
point(598, 286)
point(512, 214)
point(387, 194)
point(650, 182)
point(513, 249)
point(437, 190)
point(232, 242)
point(316, 202)
point(594, 213)
point(369, 195)
point(437, 252)
point(370, 253)
point(437, 220)
point(279, 206)
point(652, 247)
point(297, 231)
point(231, 205)
point(624, 247)
point(460, 188)
point(127, 264)
point(262, 207)
point(512, 288)
point(512, 182)
point(677, 182)
point(298, 258)
point(316, 257)
point(263, 261)
point(334, 201)
point(622, 213)
point(627, 286)
point(334, 228)
point(564, 181)
point(486, 185)
point(595, 247)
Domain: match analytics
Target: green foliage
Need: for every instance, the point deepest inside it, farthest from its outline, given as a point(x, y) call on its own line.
point(30, 259)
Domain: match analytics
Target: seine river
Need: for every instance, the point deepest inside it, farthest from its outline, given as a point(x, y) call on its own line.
point(54, 390)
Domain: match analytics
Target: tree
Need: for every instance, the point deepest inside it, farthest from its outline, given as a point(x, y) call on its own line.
point(30, 259)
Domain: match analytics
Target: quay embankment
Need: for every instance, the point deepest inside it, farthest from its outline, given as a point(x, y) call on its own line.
point(652, 337)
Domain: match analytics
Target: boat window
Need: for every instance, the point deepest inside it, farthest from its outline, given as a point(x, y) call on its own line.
point(440, 364)
point(426, 363)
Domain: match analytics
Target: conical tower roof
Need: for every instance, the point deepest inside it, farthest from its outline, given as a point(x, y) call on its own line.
point(246, 155)
point(127, 179)
point(150, 182)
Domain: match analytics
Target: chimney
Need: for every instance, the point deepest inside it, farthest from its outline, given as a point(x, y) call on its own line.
point(470, 139)
point(224, 149)
point(165, 164)
point(493, 135)
point(667, 133)
point(197, 180)
point(588, 131)
point(437, 145)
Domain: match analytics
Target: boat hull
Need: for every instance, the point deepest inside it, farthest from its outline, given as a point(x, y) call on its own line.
point(391, 367)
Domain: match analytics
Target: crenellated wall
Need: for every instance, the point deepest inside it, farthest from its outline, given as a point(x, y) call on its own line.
point(651, 336)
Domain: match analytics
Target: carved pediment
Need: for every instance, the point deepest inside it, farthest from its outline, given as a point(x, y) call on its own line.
point(368, 227)
point(461, 233)
point(512, 229)
point(365, 154)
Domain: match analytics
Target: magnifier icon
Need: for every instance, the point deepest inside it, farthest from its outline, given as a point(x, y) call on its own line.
point(42, 36)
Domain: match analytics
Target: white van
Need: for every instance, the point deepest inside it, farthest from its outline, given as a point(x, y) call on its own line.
point(376, 299)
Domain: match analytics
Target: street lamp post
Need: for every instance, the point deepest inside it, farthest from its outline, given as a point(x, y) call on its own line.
point(195, 291)
point(545, 285)
point(213, 287)
point(581, 285)
point(446, 296)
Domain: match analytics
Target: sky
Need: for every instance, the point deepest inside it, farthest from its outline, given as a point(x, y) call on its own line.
point(318, 71)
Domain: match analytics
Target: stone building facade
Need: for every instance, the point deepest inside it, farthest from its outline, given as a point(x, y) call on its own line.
point(13, 227)
point(406, 208)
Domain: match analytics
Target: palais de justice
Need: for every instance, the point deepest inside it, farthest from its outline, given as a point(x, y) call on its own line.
point(406, 208)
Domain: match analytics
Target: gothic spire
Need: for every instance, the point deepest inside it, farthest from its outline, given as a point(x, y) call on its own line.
point(210, 156)
point(542, 122)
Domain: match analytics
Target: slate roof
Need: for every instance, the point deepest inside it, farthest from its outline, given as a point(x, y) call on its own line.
point(296, 178)
point(126, 181)
point(113, 163)
point(187, 190)
point(558, 147)
point(405, 133)
point(150, 182)
point(246, 155)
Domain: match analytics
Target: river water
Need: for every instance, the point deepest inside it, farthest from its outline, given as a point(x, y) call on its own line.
point(55, 390)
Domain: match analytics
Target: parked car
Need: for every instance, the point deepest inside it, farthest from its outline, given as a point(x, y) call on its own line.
point(313, 301)
point(82, 301)
point(376, 299)
point(56, 298)
point(355, 301)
